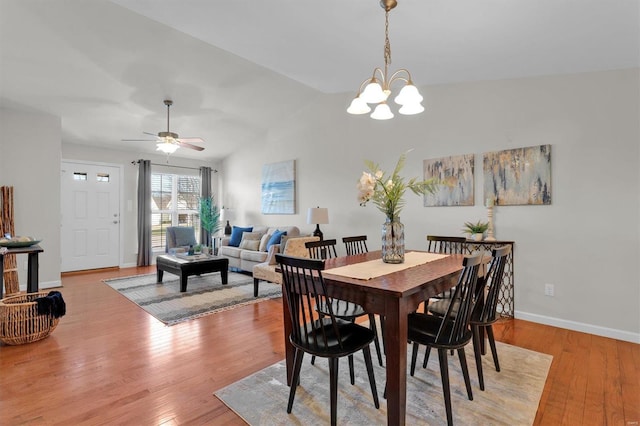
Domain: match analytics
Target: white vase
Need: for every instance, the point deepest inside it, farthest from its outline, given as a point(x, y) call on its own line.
point(477, 237)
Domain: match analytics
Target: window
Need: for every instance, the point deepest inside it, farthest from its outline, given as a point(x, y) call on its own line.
point(174, 202)
point(102, 177)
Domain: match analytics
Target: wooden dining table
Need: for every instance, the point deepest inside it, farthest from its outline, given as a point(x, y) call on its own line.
point(393, 295)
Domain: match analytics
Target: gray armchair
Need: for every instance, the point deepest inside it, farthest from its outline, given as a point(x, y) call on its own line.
point(180, 236)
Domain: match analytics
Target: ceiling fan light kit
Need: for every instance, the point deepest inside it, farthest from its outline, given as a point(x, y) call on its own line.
point(376, 90)
point(169, 142)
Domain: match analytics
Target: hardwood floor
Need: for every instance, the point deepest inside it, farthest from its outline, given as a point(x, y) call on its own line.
point(109, 362)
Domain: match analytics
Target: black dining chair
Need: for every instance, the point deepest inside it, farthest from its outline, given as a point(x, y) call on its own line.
point(485, 313)
point(452, 331)
point(348, 311)
point(445, 245)
point(355, 245)
point(320, 335)
point(323, 249)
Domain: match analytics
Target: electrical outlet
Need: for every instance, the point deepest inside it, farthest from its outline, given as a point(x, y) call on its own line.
point(548, 289)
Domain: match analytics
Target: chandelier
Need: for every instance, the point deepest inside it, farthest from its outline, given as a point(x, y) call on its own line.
point(378, 88)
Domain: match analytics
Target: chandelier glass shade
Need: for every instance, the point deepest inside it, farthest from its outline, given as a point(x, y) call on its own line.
point(167, 146)
point(377, 89)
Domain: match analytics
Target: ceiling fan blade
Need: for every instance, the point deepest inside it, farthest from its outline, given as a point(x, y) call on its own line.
point(188, 145)
point(152, 134)
point(191, 139)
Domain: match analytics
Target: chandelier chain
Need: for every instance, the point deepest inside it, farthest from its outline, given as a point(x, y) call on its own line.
point(387, 44)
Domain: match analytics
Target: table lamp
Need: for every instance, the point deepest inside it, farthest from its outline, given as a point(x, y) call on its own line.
point(318, 215)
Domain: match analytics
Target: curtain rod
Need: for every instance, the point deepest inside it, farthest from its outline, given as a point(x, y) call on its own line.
point(170, 165)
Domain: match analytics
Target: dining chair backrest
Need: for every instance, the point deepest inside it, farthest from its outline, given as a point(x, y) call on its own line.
point(355, 245)
point(324, 249)
point(445, 245)
point(304, 289)
point(455, 323)
point(493, 280)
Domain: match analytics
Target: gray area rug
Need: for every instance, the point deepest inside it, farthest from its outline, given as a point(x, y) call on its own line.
point(205, 294)
point(511, 396)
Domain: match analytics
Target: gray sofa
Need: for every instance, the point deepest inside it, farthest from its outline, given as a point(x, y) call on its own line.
point(252, 249)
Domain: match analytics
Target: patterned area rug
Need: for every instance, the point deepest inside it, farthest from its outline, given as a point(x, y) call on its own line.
point(205, 294)
point(511, 396)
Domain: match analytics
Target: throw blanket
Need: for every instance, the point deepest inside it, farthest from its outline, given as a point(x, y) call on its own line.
point(52, 304)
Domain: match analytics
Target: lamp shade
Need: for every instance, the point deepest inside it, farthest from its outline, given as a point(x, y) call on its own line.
point(358, 106)
point(318, 215)
point(382, 112)
point(408, 95)
point(372, 93)
point(411, 109)
point(227, 214)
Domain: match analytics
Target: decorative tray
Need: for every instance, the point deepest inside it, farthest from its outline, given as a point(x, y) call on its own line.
point(14, 243)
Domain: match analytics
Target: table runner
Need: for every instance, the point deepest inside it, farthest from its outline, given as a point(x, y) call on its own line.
point(377, 268)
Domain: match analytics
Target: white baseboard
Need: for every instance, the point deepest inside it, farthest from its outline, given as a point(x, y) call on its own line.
point(44, 284)
point(579, 326)
point(128, 265)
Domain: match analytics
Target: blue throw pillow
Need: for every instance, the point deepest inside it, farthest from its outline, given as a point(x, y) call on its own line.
point(236, 235)
point(275, 238)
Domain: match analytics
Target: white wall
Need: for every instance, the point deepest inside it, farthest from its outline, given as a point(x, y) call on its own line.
point(586, 242)
point(30, 162)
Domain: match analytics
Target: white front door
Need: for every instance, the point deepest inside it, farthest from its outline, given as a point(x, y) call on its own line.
point(90, 227)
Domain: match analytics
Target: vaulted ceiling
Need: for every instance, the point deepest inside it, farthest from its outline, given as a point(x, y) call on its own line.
point(233, 68)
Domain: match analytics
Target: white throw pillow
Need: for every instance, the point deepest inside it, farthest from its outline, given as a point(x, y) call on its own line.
point(263, 242)
point(250, 244)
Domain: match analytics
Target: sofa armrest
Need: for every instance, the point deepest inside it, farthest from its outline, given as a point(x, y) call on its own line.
point(224, 241)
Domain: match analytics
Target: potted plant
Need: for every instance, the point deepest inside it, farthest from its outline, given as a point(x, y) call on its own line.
point(209, 217)
point(475, 230)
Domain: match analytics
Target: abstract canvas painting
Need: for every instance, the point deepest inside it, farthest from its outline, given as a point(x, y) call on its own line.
point(455, 175)
point(518, 176)
point(279, 188)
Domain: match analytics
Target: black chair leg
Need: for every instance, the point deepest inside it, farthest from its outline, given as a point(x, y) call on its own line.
point(297, 360)
point(333, 388)
point(426, 357)
point(372, 379)
point(352, 376)
point(465, 372)
point(492, 343)
point(376, 341)
point(444, 374)
point(313, 360)
point(477, 352)
point(255, 287)
point(414, 356)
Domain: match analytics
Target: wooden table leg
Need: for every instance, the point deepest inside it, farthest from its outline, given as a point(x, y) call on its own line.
point(395, 337)
point(183, 281)
point(32, 273)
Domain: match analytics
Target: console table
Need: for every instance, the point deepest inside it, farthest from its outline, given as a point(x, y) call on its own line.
point(32, 268)
point(505, 298)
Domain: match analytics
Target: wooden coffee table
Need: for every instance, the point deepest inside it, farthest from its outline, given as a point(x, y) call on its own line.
point(185, 267)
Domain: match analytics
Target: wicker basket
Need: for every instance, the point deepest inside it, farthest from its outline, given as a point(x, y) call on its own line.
point(20, 322)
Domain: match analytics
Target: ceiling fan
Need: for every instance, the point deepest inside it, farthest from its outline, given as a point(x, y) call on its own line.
point(168, 141)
